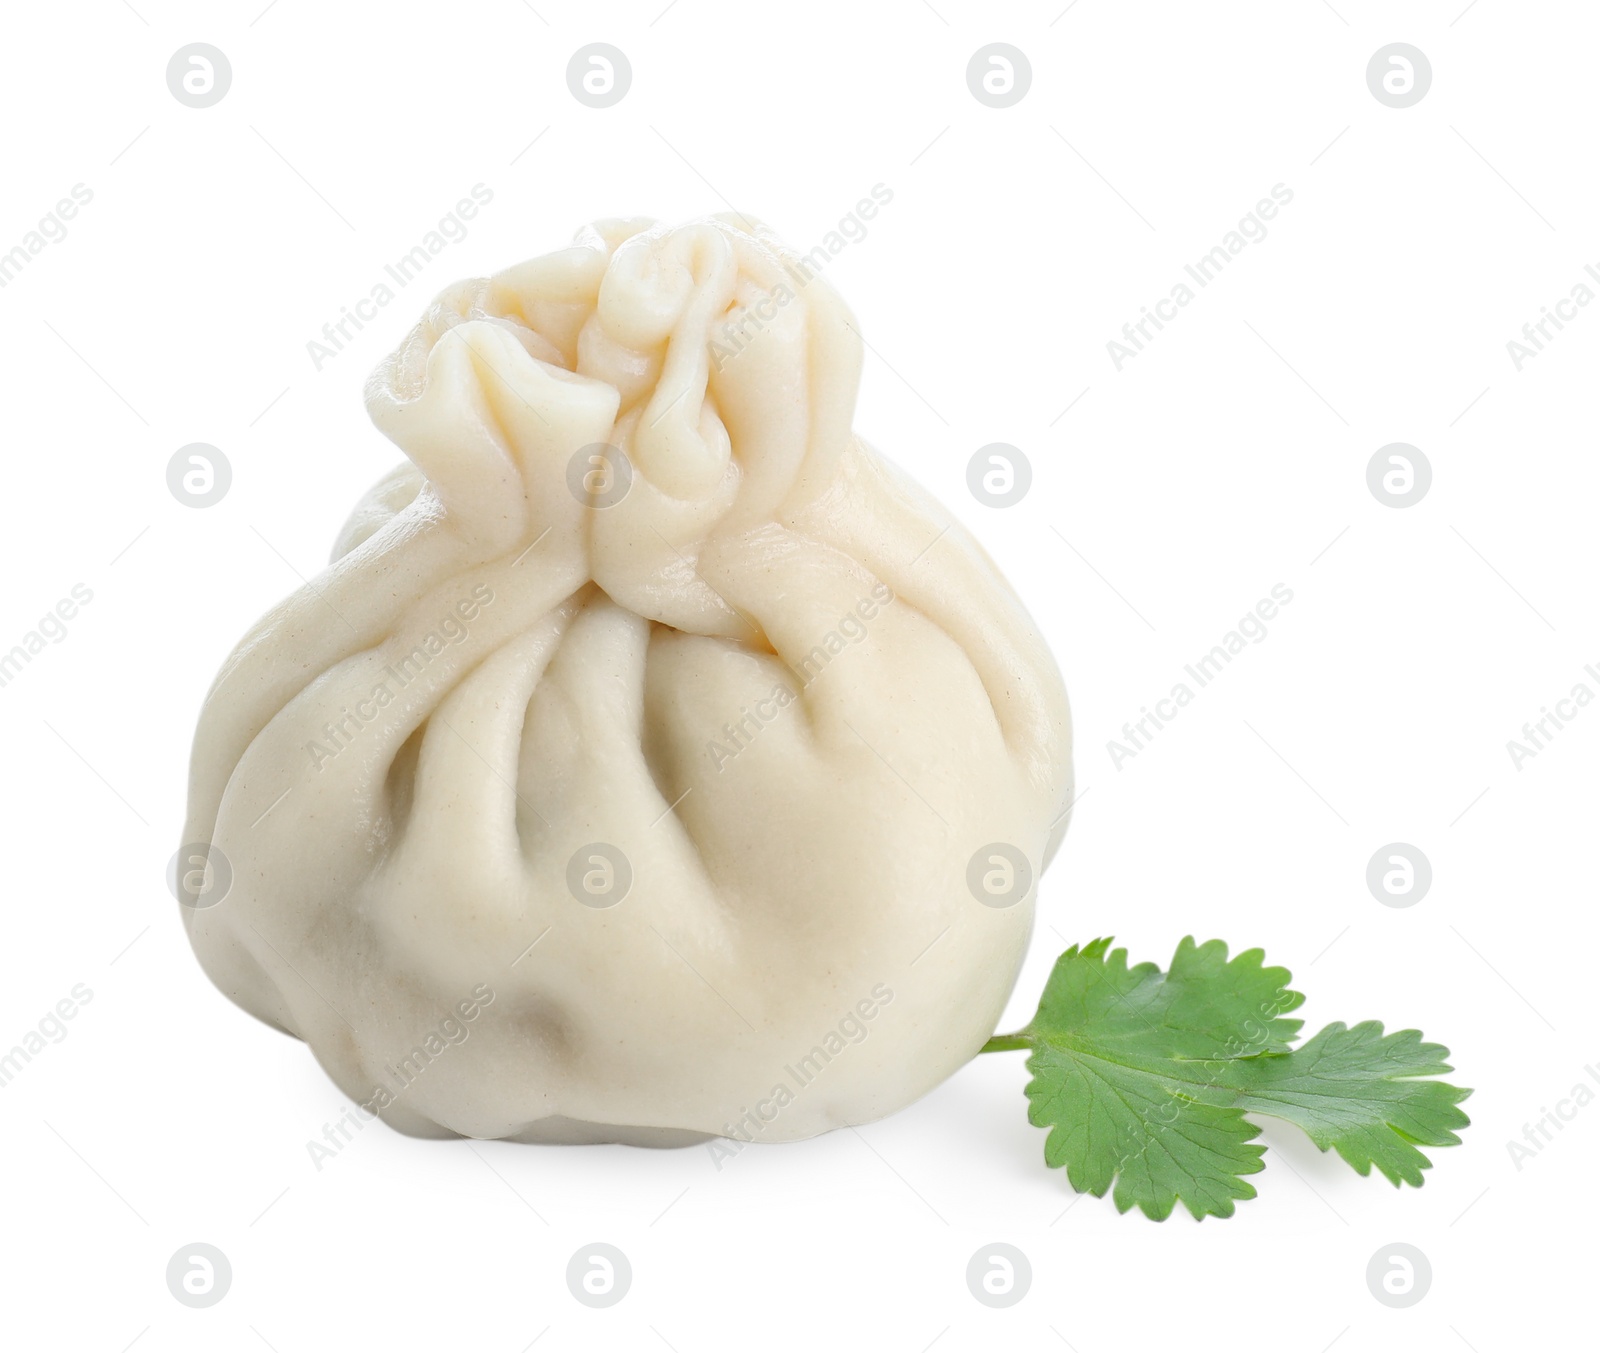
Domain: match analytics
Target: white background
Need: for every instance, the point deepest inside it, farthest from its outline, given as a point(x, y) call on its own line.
point(1229, 456)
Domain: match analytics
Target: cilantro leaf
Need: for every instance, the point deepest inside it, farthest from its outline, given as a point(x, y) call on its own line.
point(1112, 1123)
point(1143, 1079)
point(1353, 1089)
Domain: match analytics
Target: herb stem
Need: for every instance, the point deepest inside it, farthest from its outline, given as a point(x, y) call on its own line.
point(1006, 1043)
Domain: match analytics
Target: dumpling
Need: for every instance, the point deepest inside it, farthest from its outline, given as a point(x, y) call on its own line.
point(654, 761)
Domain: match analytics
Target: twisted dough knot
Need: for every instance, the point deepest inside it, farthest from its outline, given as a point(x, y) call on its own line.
point(507, 394)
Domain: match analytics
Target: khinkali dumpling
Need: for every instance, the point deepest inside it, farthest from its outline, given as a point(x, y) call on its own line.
point(654, 760)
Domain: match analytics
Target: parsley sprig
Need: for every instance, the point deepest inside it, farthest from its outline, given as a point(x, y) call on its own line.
point(1144, 1079)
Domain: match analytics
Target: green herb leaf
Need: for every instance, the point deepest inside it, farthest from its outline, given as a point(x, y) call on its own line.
point(1354, 1090)
point(1144, 1078)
